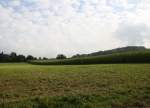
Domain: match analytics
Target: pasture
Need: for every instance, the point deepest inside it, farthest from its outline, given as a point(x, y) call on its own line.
point(75, 86)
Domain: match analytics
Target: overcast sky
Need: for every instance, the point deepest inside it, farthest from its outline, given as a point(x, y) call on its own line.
point(49, 27)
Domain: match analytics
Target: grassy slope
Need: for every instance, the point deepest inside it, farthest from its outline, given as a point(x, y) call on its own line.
point(125, 57)
point(76, 86)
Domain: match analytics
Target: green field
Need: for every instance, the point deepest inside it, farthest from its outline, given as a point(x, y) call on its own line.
point(75, 86)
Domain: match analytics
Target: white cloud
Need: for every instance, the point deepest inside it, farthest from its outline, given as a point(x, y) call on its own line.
point(16, 2)
point(133, 34)
point(49, 27)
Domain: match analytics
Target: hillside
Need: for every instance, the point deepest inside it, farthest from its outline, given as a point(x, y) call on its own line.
point(112, 51)
point(124, 57)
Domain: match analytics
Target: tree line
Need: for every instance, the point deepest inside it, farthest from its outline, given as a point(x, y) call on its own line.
point(14, 57)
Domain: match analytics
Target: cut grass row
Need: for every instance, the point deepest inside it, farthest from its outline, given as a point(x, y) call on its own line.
point(75, 86)
point(82, 101)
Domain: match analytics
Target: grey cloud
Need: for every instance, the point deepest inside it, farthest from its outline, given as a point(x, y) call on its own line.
point(55, 27)
point(132, 34)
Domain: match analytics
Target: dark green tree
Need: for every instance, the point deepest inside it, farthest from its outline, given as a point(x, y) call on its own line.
point(61, 56)
point(21, 58)
point(30, 57)
point(13, 57)
point(44, 58)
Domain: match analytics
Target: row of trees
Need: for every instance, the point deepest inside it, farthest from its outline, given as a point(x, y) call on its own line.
point(13, 57)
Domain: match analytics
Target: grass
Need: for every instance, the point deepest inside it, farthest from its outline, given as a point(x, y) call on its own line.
point(75, 86)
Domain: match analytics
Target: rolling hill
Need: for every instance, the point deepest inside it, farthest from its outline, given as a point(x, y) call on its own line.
point(120, 55)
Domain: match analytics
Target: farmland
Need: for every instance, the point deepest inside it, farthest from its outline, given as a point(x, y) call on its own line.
point(75, 86)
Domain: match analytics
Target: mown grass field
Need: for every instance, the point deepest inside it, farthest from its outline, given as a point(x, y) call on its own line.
point(75, 86)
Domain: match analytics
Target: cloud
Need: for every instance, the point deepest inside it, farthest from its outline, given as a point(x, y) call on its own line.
point(133, 34)
point(16, 3)
point(49, 27)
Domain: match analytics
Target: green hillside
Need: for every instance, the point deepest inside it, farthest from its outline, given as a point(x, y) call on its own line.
point(125, 57)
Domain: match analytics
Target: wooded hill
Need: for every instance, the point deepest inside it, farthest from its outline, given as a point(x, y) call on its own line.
point(116, 50)
point(119, 55)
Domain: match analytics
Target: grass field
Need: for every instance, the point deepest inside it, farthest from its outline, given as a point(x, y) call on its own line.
point(75, 86)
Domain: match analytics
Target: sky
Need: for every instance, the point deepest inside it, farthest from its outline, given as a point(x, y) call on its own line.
point(51, 27)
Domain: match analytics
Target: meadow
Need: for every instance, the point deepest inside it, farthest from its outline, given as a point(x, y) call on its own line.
point(75, 86)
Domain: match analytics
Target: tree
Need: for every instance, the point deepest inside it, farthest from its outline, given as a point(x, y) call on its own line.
point(77, 55)
point(30, 57)
point(13, 57)
point(61, 56)
point(2, 53)
point(21, 58)
point(4, 57)
point(13, 54)
point(44, 58)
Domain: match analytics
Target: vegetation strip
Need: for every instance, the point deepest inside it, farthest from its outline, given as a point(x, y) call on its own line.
point(127, 57)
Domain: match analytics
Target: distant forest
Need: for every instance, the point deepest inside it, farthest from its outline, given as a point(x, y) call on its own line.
point(113, 51)
point(13, 57)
